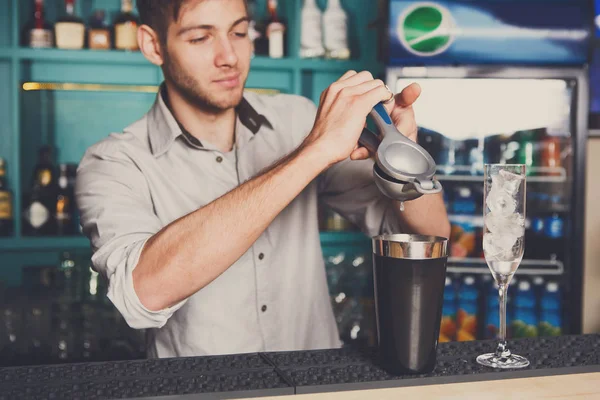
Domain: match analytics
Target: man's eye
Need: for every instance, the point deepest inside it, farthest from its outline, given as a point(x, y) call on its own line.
point(241, 34)
point(198, 40)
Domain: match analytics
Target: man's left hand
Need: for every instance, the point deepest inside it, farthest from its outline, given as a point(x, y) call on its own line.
point(403, 116)
point(402, 112)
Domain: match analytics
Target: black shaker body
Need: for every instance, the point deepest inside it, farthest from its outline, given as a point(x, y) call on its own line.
point(409, 294)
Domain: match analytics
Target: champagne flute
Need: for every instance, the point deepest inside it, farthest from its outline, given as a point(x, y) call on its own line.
point(503, 244)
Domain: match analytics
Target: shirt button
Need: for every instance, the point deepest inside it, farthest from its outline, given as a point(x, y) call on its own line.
point(219, 159)
point(264, 308)
point(261, 256)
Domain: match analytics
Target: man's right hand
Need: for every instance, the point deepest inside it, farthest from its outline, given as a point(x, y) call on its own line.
point(343, 110)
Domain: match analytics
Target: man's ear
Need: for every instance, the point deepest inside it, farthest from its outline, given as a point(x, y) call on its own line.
point(150, 45)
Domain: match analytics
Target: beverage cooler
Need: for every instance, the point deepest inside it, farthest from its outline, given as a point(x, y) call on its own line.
point(502, 83)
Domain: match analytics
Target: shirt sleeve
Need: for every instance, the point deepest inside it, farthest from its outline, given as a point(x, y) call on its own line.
point(117, 216)
point(349, 189)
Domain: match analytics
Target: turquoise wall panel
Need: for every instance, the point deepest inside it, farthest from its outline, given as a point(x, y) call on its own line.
point(6, 127)
point(72, 121)
point(271, 79)
point(50, 71)
point(6, 24)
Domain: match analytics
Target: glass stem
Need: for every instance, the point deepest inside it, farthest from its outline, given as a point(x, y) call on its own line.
point(502, 350)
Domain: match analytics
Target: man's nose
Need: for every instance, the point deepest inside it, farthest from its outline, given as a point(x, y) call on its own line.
point(225, 54)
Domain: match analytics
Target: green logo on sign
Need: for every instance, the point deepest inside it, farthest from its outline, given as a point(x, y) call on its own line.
point(426, 29)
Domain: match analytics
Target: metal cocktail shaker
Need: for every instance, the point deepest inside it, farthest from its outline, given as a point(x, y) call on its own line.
point(409, 276)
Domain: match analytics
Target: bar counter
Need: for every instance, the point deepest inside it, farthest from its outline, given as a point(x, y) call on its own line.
point(324, 373)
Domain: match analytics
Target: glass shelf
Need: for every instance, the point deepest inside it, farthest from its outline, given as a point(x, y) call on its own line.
point(527, 267)
point(539, 174)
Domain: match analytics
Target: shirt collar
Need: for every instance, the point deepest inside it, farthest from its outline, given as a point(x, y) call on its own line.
point(163, 128)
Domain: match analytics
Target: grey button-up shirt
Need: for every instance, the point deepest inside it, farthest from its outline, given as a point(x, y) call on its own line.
point(275, 297)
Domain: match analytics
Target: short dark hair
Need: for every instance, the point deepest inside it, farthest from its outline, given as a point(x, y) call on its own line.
point(158, 14)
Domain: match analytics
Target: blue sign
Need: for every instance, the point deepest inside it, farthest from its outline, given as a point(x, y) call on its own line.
point(493, 32)
point(597, 18)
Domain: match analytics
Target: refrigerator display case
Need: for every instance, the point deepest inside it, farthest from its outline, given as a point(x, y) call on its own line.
point(470, 116)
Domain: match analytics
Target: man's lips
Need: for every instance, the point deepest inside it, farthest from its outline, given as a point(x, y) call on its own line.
point(229, 81)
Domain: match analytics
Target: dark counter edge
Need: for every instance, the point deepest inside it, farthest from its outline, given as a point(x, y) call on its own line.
point(560, 347)
point(440, 380)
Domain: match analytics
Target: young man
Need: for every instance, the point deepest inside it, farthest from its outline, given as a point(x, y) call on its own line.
point(203, 214)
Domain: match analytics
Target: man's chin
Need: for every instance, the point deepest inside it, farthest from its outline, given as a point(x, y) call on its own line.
point(229, 100)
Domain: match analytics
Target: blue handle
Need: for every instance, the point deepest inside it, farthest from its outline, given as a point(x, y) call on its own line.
point(381, 111)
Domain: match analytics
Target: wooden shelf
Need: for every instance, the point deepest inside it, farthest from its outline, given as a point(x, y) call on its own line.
point(81, 56)
point(117, 57)
point(44, 243)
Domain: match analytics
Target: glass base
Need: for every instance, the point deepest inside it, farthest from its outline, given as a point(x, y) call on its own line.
point(495, 361)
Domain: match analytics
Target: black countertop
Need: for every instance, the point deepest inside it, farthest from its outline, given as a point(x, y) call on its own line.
point(270, 374)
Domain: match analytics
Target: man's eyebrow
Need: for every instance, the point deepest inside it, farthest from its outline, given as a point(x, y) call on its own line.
point(209, 27)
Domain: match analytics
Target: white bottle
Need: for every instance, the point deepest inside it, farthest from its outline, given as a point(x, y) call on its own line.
point(311, 42)
point(275, 32)
point(335, 24)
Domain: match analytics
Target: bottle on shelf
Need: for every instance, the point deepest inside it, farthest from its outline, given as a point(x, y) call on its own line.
point(525, 322)
point(550, 311)
point(39, 32)
point(275, 31)
point(468, 310)
point(6, 198)
point(64, 204)
point(335, 24)
point(99, 37)
point(37, 209)
point(448, 322)
point(126, 25)
point(69, 29)
point(311, 42)
point(253, 30)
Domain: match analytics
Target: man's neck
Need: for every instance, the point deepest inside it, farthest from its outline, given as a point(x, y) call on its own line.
point(215, 128)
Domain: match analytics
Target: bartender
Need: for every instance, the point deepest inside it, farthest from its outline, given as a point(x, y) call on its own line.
point(202, 215)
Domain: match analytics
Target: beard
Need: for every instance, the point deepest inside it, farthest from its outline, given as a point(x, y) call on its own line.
point(189, 88)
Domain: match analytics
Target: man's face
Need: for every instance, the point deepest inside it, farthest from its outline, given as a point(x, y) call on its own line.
point(208, 51)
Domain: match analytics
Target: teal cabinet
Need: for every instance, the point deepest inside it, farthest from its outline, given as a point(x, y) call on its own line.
point(72, 99)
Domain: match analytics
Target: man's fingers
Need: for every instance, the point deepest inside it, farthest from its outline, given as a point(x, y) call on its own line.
point(347, 75)
point(361, 88)
point(408, 95)
point(357, 79)
point(374, 96)
point(360, 154)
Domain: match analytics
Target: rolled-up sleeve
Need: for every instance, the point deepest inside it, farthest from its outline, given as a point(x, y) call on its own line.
point(118, 218)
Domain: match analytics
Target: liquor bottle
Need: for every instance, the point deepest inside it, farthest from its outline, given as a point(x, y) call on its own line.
point(39, 33)
point(275, 31)
point(69, 29)
point(64, 204)
point(335, 24)
point(99, 37)
point(253, 32)
point(311, 42)
point(6, 213)
point(37, 216)
point(126, 26)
